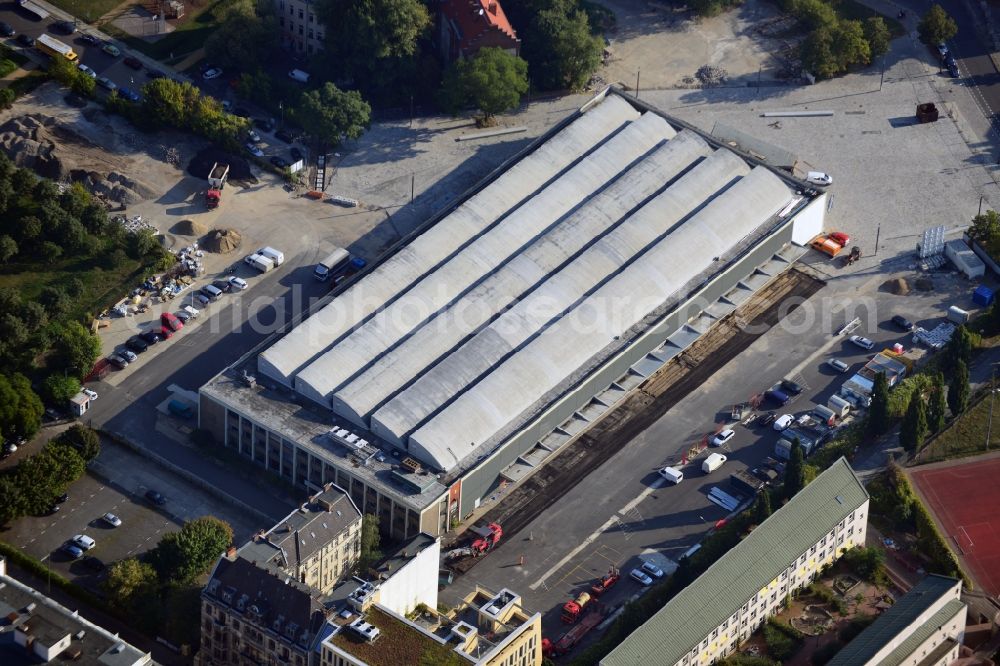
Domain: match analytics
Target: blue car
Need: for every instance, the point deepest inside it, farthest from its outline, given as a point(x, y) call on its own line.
point(129, 94)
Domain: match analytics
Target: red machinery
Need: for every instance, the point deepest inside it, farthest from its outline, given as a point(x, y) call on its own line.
point(216, 181)
point(606, 582)
point(572, 610)
point(487, 539)
point(566, 642)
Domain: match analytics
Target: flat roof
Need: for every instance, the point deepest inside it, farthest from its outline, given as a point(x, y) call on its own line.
point(398, 643)
point(748, 568)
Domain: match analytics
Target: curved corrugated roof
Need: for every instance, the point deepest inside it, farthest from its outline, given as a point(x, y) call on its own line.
point(553, 355)
point(318, 333)
point(518, 277)
point(484, 255)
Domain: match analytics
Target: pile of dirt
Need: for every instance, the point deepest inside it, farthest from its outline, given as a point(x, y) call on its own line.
point(924, 284)
point(222, 241)
point(40, 143)
point(711, 76)
point(896, 286)
point(189, 228)
point(202, 163)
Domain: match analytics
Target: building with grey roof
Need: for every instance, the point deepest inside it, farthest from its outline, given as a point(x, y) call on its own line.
point(924, 627)
point(34, 629)
point(475, 350)
point(709, 618)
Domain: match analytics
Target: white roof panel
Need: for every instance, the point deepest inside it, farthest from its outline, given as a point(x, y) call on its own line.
point(553, 355)
point(283, 360)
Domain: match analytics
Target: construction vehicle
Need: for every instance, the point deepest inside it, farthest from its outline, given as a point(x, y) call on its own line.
point(854, 255)
point(741, 411)
point(567, 641)
point(216, 181)
point(487, 539)
point(826, 245)
point(605, 582)
point(572, 610)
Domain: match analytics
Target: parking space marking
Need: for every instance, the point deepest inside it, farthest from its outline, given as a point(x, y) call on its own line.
point(573, 553)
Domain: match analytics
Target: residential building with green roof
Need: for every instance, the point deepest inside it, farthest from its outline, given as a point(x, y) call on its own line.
point(926, 627)
point(710, 617)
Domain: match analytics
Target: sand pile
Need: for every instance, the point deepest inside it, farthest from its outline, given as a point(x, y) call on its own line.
point(190, 228)
point(896, 286)
point(222, 241)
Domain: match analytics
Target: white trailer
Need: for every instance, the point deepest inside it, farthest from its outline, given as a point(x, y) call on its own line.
point(275, 256)
point(260, 262)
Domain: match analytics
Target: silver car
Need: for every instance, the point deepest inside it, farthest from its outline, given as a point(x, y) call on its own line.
point(837, 364)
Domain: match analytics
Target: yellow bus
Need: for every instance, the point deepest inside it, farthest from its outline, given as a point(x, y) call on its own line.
point(52, 46)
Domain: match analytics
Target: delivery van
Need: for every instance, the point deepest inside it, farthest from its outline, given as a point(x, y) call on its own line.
point(713, 462)
point(672, 475)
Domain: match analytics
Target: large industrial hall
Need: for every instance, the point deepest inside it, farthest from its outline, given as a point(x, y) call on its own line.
point(476, 350)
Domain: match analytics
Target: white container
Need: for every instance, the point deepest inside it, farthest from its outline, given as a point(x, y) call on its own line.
point(957, 315)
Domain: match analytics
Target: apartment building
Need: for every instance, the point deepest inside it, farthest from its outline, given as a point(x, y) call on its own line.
point(925, 626)
point(487, 629)
point(734, 597)
point(301, 30)
point(36, 630)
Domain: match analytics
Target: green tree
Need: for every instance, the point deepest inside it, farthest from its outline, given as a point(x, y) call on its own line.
point(243, 41)
point(958, 390)
point(83, 85)
point(130, 585)
point(762, 507)
point(869, 563)
point(849, 45)
point(938, 407)
point(561, 50)
point(257, 86)
point(936, 26)
point(76, 349)
point(167, 103)
point(958, 348)
point(878, 412)
point(8, 248)
point(877, 35)
point(816, 53)
point(85, 440)
point(59, 388)
point(815, 14)
point(20, 408)
point(47, 474)
point(13, 505)
point(331, 115)
point(794, 471)
point(183, 556)
point(7, 97)
point(914, 428)
point(370, 541)
point(367, 31)
point(494, 81)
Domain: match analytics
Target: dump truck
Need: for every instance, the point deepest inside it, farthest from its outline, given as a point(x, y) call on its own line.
point(605, 582)
point(573, 610)
point(567, 641)
point(486, 540)
point(216, 181)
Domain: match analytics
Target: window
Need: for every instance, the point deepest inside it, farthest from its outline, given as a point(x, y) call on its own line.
point(312, 18)
point(310, 33)
point(301, 15)
point(281, 21)
point(300, 34)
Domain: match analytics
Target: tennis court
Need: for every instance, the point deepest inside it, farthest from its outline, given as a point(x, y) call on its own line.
point(963, 497)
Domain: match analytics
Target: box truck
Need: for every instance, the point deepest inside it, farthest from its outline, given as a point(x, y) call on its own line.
point(331, 264)
point(260, 262)
point(275, 256)
point(712, 463)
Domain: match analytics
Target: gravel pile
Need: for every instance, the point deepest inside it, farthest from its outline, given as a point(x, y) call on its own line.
point(201, 164)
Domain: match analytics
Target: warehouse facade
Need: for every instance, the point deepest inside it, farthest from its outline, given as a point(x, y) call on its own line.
point(709, 618)
point(465, 358)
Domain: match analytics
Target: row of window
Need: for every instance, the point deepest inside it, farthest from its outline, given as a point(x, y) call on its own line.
point(312, 34)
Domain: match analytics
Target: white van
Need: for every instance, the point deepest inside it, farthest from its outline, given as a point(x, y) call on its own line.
point(298, 75)
point(672, 475)
point(713, 462)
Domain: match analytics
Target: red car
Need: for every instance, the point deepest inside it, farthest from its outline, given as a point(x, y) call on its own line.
point(170, 320)
point(165, 333)
point(840, 238)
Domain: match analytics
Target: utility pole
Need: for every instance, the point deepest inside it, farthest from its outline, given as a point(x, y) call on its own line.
point(980, 206)
point(989, 423)
point(412, 176)
point(878, 232)
point(637, 83)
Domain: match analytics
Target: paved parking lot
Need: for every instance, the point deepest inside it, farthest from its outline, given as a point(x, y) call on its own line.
point(117, 483)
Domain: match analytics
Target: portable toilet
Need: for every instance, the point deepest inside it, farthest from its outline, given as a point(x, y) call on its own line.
point(983, 295)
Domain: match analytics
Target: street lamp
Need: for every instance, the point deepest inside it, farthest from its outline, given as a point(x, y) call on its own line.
point(281, 108)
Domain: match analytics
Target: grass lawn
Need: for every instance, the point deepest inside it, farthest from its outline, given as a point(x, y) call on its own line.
point(88, 10)
point(7, 66)
point(966, 436)
point(854, 10)
point(189, 35)
point(101, 287)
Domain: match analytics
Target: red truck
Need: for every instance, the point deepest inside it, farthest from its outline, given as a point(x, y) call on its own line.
point(486, 540)
point(216, 181)
point(567, 641)
point(573, 610)
point(605, 582)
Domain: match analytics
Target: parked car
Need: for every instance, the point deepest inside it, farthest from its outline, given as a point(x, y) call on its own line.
point(723, 437)
point(953, 70)
point(639, 577)
point(87, 70)
point(89, 39)
point(837, 364)
point(768, 419)
point(253, 136)
point(107, 83)
point(90, 393)
point(129, 355)
point(790, 387)
point(783, 422)
point(65, 27)
point(165, 333)
point(73, 550)
point(902, 322)
point(279, 162)
point(942, 50)
point(133, 62)
point(156, 498)
point(170, 320)
point(254, 150)
point(112, 519)
point(150, 337)
point(62, 498)
point(225, 286)
point(25, 40)
point(239, 284)
point(819, 178)
point(83, 542)
point(118, 361)
point(111, 50)
point(211, 73)
point(129, 94)
point(137, 344)
point(862, 342)
point(284, 135)
point(201, 298)
point(6, 29)
point(778, 397)
point(652, 569)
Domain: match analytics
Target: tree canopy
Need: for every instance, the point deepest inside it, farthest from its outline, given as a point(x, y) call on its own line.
point(958, 389)
point(913, 431)
point(494, 81)
point(187, 554)
point(878, 414)
point(795, 479)
point(561, 50)
point(332, 115)
point(936, 26)
point(20, 408)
